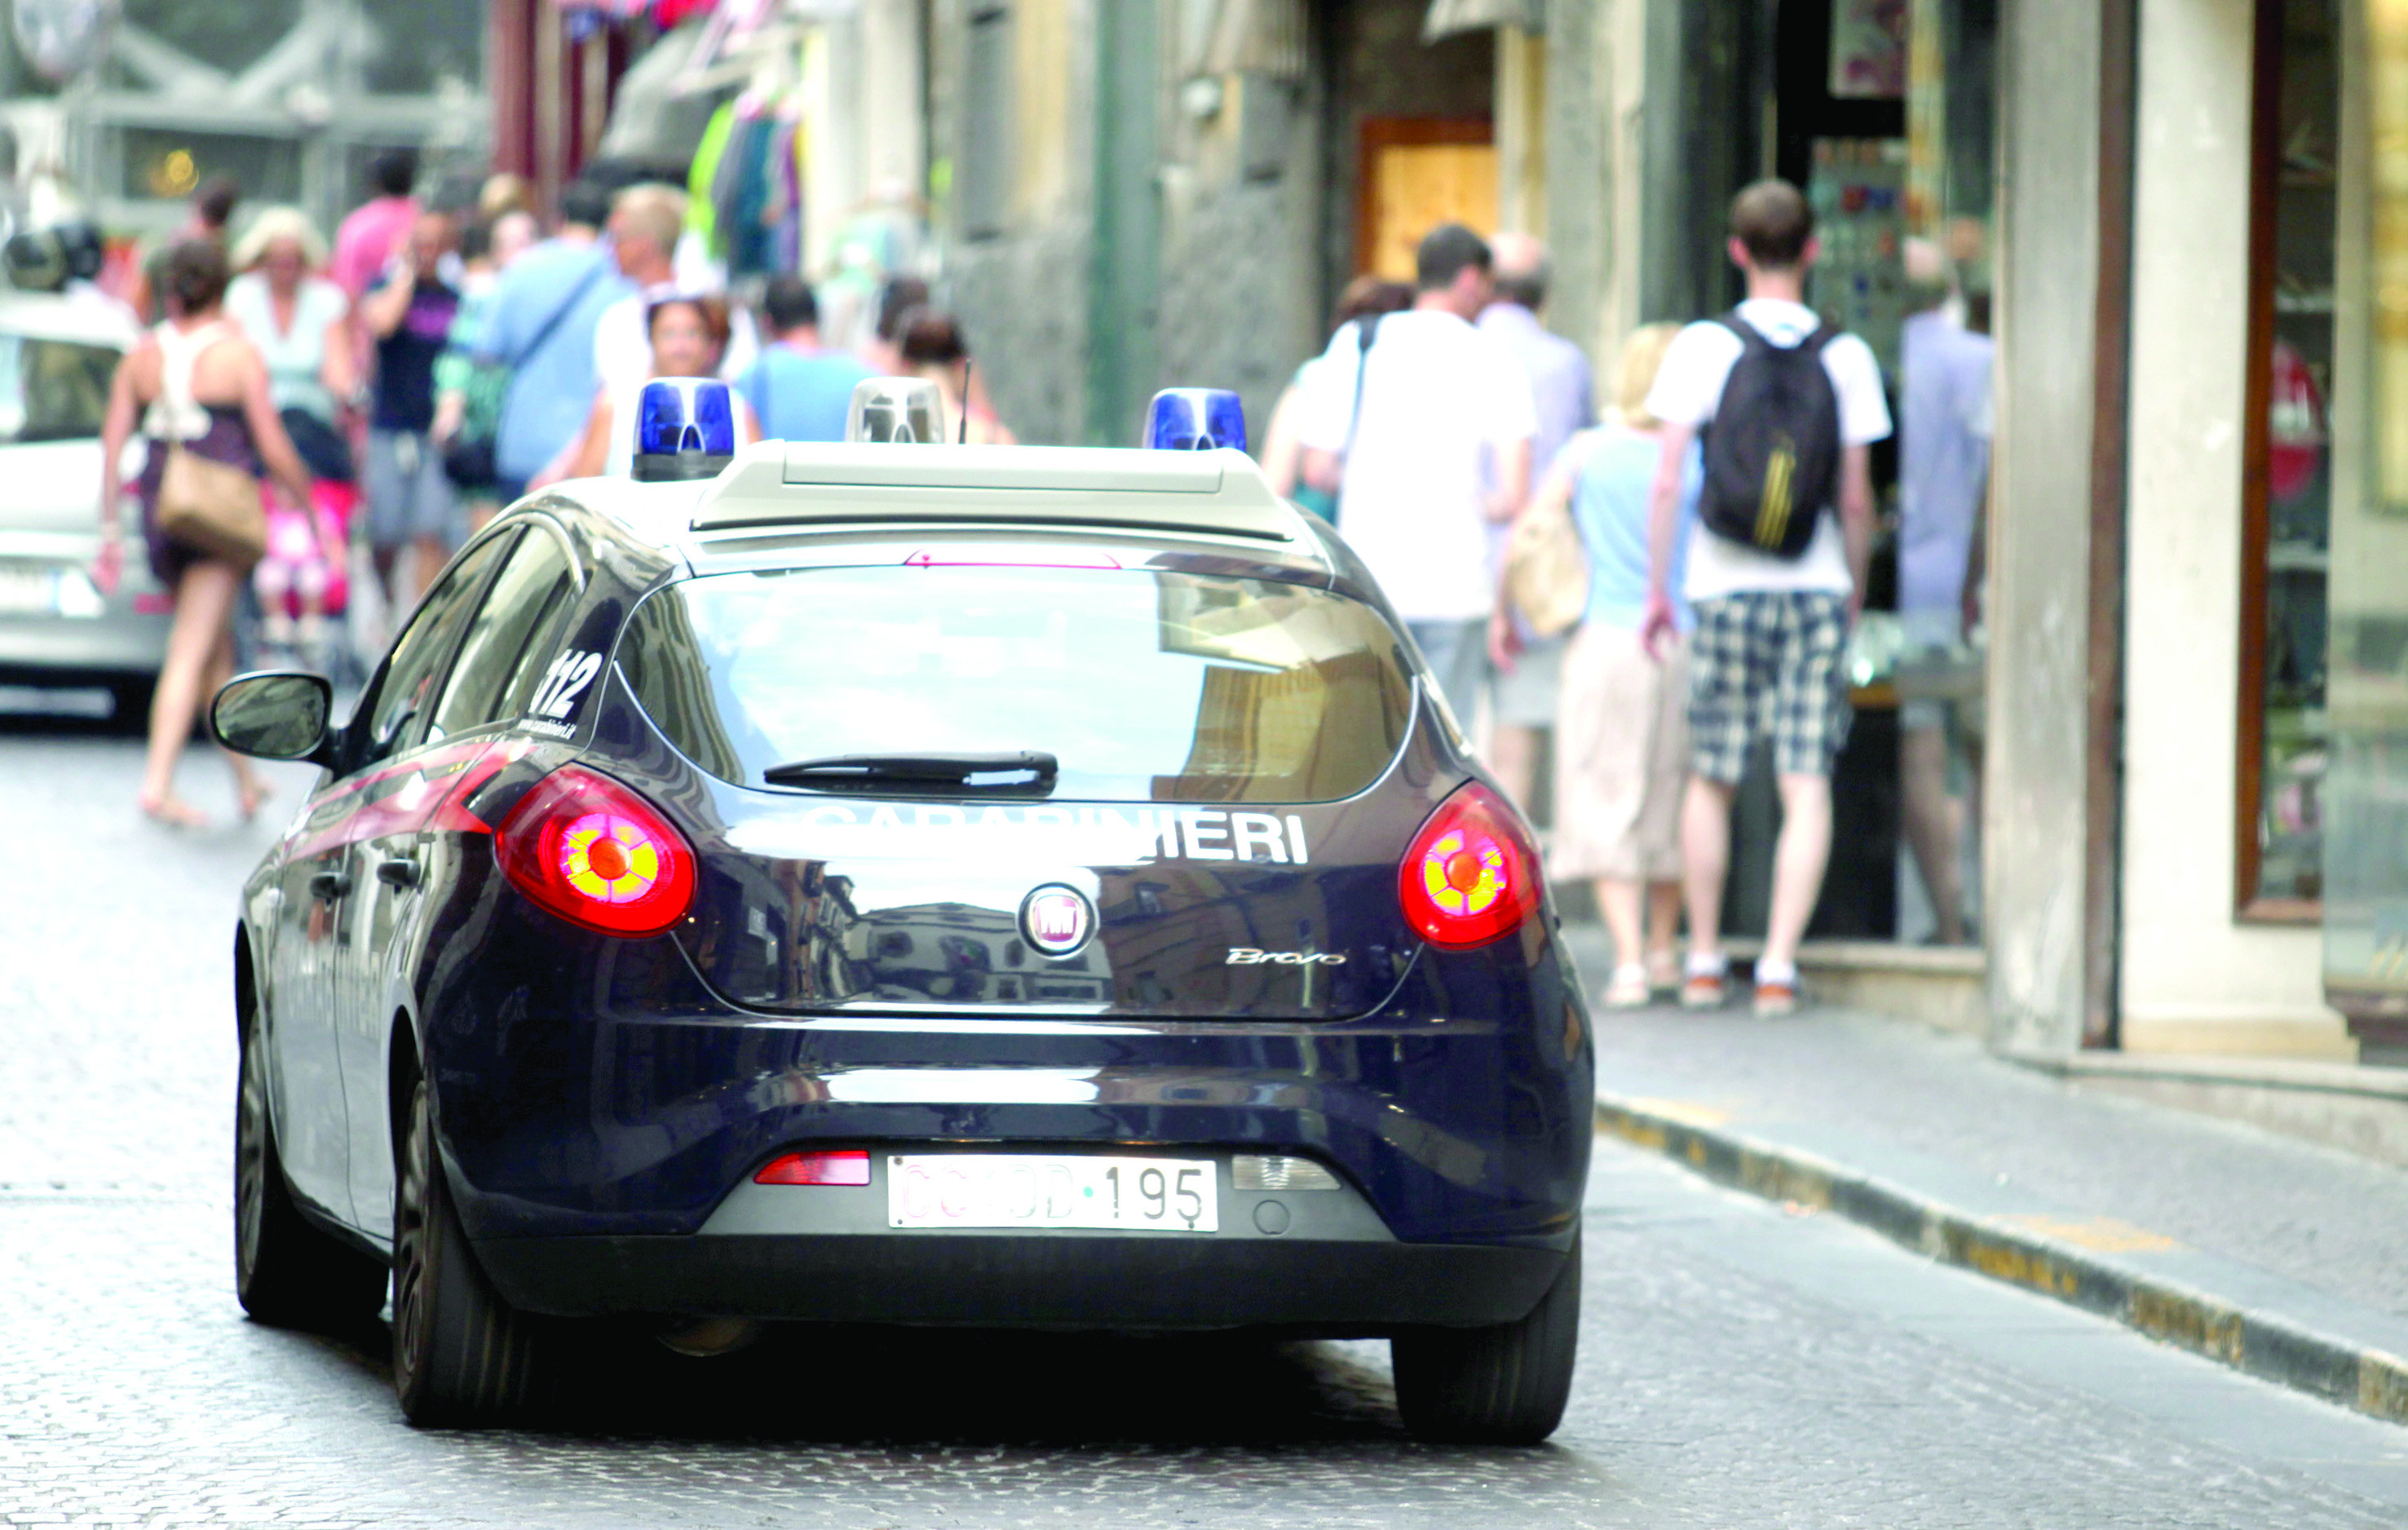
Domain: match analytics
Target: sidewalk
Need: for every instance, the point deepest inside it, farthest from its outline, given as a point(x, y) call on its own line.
point(2284, 1258)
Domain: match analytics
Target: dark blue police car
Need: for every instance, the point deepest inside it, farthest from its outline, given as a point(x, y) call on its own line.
point(908, 884)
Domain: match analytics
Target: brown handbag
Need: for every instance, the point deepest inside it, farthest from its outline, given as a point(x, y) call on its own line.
point(211, 507)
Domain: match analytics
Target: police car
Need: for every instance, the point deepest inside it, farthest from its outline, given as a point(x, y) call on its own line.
point(900, 883)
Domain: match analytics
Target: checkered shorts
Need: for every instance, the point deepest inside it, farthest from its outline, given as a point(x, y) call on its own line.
point(1768, 661)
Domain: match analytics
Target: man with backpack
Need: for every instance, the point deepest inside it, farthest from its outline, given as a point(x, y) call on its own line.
point(1787, 409)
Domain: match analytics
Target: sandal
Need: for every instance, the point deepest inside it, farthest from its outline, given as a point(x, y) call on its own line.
point(1628, 990)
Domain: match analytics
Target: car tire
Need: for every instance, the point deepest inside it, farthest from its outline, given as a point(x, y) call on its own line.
point(1501, 1385)
point(462, 1357)
point(287, 1272)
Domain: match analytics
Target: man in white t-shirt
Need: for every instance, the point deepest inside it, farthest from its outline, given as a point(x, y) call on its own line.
point(1766, 655)
point(1438, 401)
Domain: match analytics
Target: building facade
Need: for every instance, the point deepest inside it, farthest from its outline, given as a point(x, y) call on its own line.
point(2158, 780)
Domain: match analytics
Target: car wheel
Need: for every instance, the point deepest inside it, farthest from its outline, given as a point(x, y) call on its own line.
point(1504, 1385)
point(287, 1272)
point(460, 1356)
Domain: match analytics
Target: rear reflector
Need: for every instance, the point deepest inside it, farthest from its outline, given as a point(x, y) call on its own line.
point(839, 1166)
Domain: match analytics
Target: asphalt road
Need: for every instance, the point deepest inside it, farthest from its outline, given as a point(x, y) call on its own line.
point(1742, 1366)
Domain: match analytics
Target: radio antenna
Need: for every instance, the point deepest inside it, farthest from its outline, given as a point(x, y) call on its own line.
point(963, 437)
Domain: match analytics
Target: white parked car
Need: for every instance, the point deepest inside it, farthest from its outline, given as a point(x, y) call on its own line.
point(57, 355)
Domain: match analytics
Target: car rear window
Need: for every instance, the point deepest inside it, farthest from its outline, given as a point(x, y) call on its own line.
point(1146, 685)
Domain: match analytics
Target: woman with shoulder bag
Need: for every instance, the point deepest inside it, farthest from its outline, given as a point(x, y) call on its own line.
point(1622, 729)
point(203, 395)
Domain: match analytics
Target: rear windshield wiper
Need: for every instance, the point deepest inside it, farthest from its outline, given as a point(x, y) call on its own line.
point(1033, 771)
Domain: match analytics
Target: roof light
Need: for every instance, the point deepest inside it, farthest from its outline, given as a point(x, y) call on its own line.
point(829, 1166)
point(685, 428)
point(898, 411)
point(1473, 873)
point(1195, 420)
point(593, 852)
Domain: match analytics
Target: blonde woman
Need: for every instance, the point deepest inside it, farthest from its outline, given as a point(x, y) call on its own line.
point(1622, 733)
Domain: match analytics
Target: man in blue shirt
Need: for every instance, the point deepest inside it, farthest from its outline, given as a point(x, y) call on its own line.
point(540, 324)
point(799, 390)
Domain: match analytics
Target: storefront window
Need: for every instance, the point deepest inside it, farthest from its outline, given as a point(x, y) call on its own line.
point(2287, 501)
point(2366, 854)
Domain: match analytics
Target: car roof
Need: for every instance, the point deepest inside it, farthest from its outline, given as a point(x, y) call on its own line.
point(776, 498)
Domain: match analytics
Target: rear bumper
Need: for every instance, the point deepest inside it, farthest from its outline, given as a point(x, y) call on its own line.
point(587, 1088)
point(1345, 1288)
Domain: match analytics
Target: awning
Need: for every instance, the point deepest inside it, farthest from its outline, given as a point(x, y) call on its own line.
point(1257, 37)
point(1448, 17)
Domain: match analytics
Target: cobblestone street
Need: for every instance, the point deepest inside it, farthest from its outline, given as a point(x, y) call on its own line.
point(1741, 1365)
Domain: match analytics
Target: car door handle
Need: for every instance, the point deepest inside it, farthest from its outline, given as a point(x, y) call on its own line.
point(329, 885)
point(398, 872)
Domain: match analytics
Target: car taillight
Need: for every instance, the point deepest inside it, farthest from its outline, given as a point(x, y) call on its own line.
point(592, 851)
point(1472, 875)
point(831, 1166)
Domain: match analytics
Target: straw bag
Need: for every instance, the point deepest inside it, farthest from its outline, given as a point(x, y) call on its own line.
point(1546, 568)
point(210, 507)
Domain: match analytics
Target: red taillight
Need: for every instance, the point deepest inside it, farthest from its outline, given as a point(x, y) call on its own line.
point(836, 1166)
point(1472, 875)
point(594, 853)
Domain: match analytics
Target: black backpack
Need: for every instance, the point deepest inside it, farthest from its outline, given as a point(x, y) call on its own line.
point(1772, 449)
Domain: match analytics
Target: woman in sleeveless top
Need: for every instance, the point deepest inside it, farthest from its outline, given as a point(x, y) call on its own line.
point(198, 384)
point(689, 337)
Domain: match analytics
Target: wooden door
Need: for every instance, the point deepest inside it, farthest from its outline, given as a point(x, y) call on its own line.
point(1413, 174)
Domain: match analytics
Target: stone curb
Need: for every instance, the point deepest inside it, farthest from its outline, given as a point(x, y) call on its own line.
point(2255, 1342)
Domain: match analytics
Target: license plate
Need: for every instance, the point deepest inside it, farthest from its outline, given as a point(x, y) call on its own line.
point(27, 590)
point(1035, 1190)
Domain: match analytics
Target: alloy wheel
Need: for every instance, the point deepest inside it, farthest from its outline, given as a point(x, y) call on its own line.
point(409, 1237)
point(250, 1153)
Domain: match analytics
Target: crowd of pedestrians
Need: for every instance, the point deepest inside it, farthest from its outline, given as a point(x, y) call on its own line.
point(1722, 507)
point(439, 356)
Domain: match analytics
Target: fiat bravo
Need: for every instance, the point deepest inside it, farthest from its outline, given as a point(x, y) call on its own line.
point(908, 884)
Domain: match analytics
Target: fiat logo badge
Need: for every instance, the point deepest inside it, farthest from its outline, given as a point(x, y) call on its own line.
point(1057, 919)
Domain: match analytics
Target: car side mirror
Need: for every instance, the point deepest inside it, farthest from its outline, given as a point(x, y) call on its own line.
point(276, 714)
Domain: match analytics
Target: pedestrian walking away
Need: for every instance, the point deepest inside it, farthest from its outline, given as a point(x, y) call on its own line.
point(1522, 682)
point(1400, 426)
point(410, 502)
point(200, 388)
point(1622, 729)
point(1787, 410)
point(1366, 300)
point(799, 389)
point(1944, 456)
